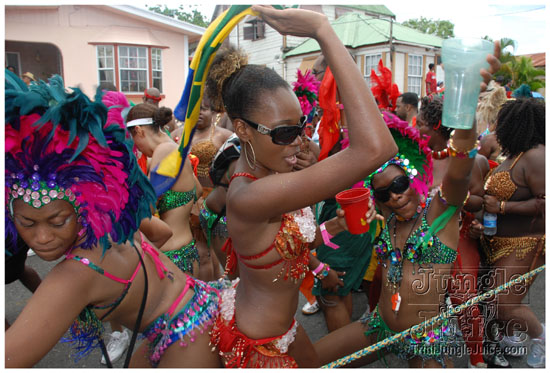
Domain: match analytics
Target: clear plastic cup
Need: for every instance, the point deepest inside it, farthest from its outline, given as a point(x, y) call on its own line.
point(462, 59)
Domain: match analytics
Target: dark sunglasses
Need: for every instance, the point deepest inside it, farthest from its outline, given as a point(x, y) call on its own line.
point(398, 186)
point(282, 135)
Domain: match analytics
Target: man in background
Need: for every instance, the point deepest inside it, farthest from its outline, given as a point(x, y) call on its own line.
point(431, 81)
point(406, 106)
point(152, 96)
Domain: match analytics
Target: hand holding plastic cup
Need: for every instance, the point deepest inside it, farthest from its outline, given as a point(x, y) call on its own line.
point(462, 59)
point(355, 203)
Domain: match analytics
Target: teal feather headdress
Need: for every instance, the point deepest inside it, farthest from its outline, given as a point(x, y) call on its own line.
point(59, 146)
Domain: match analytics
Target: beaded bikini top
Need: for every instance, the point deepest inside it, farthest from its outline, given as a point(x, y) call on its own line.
point(205, 151)
point(171, 199)
point(435, 252)
point(292, 241)
point(500, 184)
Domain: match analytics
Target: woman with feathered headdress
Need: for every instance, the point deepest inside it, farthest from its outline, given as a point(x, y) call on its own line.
point(416, 249)
point(74, 192)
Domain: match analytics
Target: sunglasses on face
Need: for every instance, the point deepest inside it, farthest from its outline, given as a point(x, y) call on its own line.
point(282, 135)
point(398, 186)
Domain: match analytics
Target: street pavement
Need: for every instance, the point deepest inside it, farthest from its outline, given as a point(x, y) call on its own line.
point(16, 296)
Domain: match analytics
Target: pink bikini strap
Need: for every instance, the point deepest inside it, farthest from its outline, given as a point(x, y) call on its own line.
point(190, 282)
point(154, 254)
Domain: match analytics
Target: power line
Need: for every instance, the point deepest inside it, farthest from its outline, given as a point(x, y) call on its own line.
point(520, 11)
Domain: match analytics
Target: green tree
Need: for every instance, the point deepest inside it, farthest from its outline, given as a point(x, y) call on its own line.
point(523, 71)
point(441, 28)
point(191, 15)
point(518, 69)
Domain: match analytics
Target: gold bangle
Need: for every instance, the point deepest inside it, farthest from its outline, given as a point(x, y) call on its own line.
point(468, 153)
point(502, 207)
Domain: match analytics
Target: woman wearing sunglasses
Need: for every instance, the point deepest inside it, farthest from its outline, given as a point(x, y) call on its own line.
point(465, 269)
point(270, 224)
point(416, 248)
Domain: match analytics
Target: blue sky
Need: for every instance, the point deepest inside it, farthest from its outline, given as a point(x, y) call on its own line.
point(526, 23)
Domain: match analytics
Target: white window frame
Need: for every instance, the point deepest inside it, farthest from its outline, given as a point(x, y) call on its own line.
point(414, 72)
point(371, 62)
point(156, 67)
point(138, 68)
point(100, 69)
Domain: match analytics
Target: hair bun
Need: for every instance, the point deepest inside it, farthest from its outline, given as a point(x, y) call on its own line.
point(227, 62)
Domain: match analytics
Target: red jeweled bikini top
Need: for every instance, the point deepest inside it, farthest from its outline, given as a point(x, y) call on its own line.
point(292, 241)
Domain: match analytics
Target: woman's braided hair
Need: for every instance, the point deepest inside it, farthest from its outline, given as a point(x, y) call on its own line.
point(431, 110)
point(521, 125)
point(235, 87)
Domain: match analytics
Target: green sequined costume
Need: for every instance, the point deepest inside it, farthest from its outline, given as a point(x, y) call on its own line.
point(171, 199)
point(352, 257)
point(184, 257)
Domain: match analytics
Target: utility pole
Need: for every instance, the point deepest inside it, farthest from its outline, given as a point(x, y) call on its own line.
point(391, 40)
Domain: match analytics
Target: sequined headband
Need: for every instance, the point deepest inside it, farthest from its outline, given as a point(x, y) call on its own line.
point(36, 192)
point(399, 160)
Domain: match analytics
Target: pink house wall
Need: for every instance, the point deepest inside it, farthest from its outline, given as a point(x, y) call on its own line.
point(71, 28)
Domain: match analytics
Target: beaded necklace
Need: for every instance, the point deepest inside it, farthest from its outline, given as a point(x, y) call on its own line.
point(440, 154)
point(418, 249)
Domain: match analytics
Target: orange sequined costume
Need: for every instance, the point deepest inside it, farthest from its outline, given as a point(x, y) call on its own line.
point(205, 151)
point(501, 185)
point(292, 243)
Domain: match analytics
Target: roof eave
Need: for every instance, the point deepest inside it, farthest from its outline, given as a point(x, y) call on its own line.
point(172, 23)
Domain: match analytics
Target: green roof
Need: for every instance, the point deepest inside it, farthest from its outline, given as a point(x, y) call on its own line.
point(378, 9)
point(357, 30)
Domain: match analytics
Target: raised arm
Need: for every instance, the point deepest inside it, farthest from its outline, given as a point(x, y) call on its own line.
point(371, 143)
point(456, 180)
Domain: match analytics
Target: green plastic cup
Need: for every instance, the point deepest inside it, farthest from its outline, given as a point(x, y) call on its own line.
point(462, 59)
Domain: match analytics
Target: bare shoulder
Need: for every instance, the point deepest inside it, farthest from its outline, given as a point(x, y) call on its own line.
point(222, 133)
point(482, 162)
point(535, 153)
point(163, 150)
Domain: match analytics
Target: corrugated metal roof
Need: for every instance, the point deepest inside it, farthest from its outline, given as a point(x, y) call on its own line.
point(357, 30)
point(538, 59)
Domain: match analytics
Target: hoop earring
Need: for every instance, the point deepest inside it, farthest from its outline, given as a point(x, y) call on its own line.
point(253, 165)
point(217, 120)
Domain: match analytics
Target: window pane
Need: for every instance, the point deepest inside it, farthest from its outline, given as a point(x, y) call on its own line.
point(157, 83)
point(142, 63)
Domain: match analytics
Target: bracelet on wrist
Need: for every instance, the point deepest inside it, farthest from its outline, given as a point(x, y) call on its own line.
point(327, 237)
point(324, 272)
point(502, 207)
point(318, 269)
point(467, 153)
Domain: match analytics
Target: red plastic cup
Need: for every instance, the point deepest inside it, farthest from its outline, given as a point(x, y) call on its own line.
point(355, 203)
